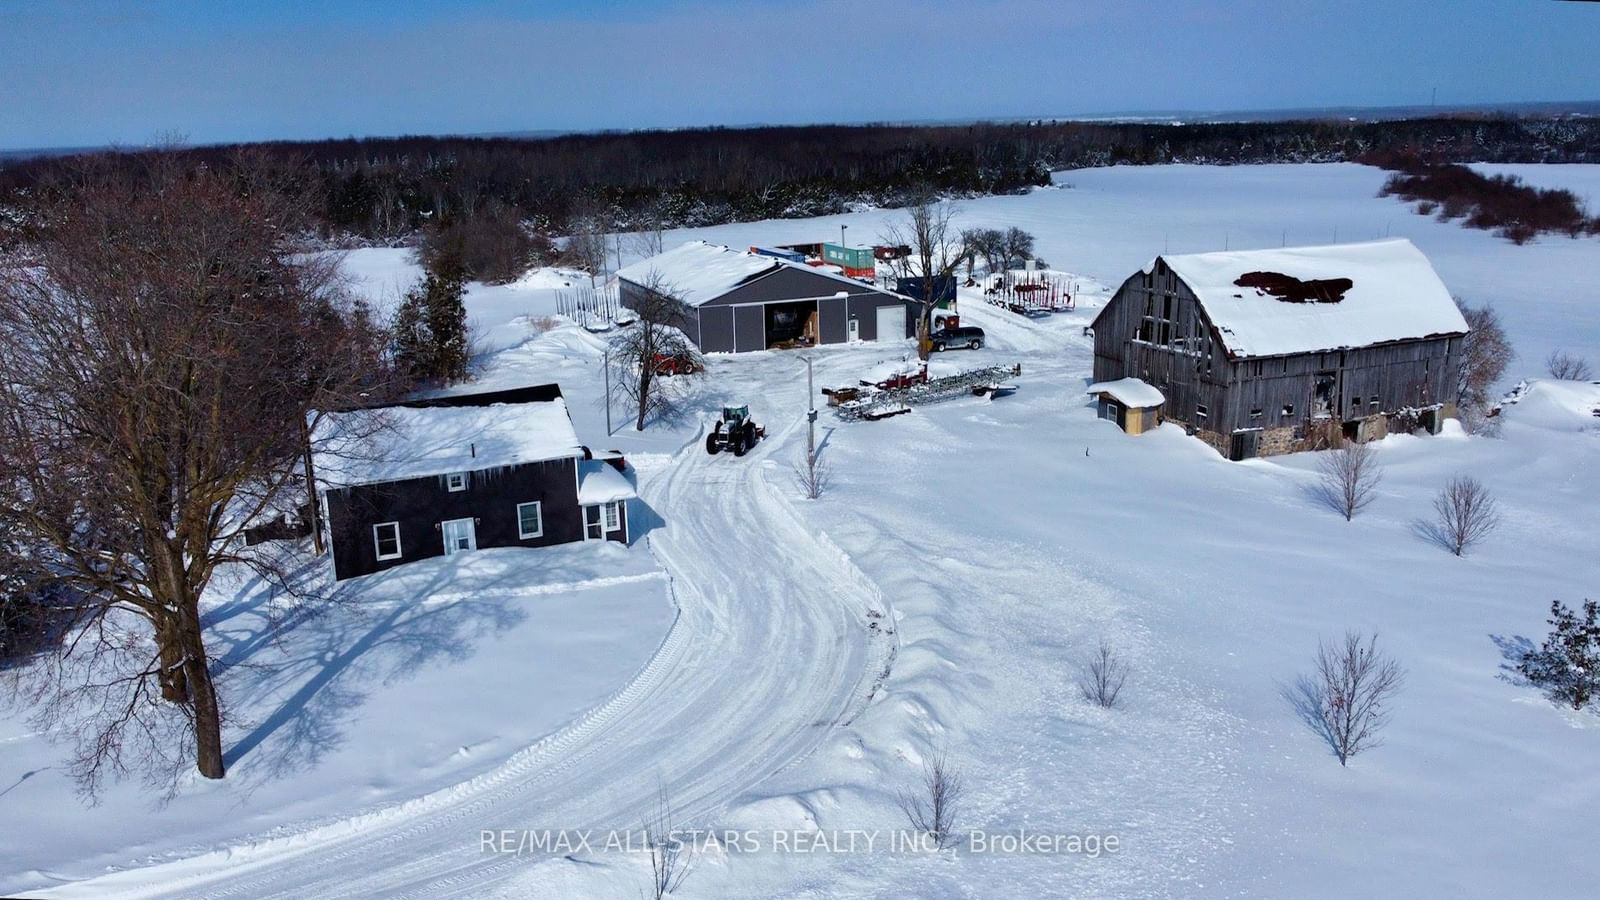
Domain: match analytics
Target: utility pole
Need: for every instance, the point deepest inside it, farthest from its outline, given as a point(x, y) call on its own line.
point(811, 415)
point(841, 235)
point(605, 363)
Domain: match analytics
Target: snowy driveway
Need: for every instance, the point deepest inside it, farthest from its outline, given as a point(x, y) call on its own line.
point(771, 650)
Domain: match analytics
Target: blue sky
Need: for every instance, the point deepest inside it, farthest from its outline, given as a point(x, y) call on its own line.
point(87, 72)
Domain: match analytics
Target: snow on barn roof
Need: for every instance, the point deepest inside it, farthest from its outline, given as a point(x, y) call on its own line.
point(397, 442)
point(600, 482)
point(1132, 392)
point(1367, 293)
point(697, 272)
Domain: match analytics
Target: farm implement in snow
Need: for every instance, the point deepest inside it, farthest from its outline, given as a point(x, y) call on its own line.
point(898, 394)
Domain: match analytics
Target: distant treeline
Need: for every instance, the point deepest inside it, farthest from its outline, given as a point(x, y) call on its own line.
point(1499, 203)
point(385, 189)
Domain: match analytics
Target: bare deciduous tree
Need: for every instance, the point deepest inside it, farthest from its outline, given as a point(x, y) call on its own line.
point(1566, 367)
point(812, 475)
point(586, 237)
point(936, 251)
point(934, 807)
point(1100, 680)
point(638, 353)
point(1464, 514)
point(1485, 354)
point(1348, 478)
point(158, 367)
point(988, 243)
point(649, 238)
point(671, 857)
point(1346, 699)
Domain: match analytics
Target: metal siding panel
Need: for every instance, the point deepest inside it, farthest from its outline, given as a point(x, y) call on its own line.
point(749, 328)
point(716, 330)
point(831, 321)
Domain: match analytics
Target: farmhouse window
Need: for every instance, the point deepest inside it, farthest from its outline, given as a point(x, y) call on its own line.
point(456, 481)
point(613, 515)
point(386, 540)
point(530, 520)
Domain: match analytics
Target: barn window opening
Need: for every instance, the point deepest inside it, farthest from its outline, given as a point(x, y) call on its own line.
point(1200, 411)
point(1322, 395)
point(1355, 403)
point(1255, 414)
point(456, 481)
point(1372, 405)
point(1288, 409)
point(386, 540)
point(530, 520)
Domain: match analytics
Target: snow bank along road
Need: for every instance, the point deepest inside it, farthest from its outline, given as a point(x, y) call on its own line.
point(770, 650)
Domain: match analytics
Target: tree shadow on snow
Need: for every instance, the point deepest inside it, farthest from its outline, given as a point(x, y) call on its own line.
point(1433, 534)
point(1513, 648)
point(1305, 698)
point(333, 653)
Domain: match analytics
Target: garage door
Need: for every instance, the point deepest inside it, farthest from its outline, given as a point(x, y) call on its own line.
point(891, 323)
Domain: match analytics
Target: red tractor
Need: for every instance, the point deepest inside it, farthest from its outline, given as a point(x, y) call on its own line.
point(903, 379)
point(668, 364)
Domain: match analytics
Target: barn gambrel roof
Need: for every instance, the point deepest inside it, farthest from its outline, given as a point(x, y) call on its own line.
point(1393, 295)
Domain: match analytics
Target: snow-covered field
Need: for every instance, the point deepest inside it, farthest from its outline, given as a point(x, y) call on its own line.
point(1000, 541)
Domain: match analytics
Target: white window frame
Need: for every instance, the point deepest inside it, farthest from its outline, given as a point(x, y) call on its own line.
point(1201, 411)
point(611, 516)
point(456, 481)
point(1113, 410)
point(377, 544)
point(538, 507)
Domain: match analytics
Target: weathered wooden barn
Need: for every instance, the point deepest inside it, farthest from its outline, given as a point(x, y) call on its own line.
point(1260, 352)
point(735, 300)
point(454, 474)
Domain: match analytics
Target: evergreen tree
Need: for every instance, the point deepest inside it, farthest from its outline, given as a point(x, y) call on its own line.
point(446, 313)
point(413, 351)
point(1568, 665)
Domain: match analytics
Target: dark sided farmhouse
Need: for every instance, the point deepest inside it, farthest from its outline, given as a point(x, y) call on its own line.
point(1273, 351)
point(455, 474)
point(735, 300)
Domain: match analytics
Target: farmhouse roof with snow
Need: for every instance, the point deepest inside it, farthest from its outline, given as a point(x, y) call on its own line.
point(442, 435)
point(1309, 299)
